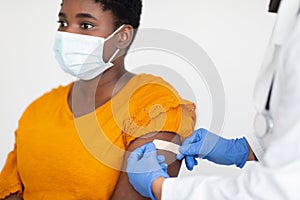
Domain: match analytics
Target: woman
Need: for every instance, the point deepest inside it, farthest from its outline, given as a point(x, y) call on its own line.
point(71, 141)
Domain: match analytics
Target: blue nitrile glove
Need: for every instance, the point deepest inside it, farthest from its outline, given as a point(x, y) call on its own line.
point(143, 167)
point(207, 145)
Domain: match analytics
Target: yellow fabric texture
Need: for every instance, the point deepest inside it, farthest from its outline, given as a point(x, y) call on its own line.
point(59, 157)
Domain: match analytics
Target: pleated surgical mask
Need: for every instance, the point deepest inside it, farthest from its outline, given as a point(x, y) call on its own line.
point(82, 55)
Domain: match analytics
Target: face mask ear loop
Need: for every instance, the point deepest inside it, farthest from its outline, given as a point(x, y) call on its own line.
point(117, 51)
point(114, 32)
point(113, 56)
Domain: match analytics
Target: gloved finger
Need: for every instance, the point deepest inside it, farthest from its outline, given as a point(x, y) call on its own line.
point(161, 158)
point(164, 167)
point(190, 162)
point(180, 156)
point(195, 137)
point(190, 139)
point(149, 148)
point(138, 153)
point(191, 149)
point(195, 161)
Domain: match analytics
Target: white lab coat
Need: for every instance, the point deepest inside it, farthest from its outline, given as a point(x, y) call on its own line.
point(277, 175)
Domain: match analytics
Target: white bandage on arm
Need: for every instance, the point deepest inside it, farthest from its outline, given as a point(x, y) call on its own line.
point(167, 146)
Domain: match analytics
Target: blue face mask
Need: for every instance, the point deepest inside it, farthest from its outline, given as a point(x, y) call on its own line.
point(82, 55)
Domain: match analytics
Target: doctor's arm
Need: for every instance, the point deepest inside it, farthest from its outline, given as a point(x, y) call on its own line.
point(207, 145)
point(258, 183)
point(124, 189)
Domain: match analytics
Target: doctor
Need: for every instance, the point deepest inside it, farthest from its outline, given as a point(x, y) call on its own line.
point(276, 142)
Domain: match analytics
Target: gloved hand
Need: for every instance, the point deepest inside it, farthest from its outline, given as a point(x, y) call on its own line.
point(207, 145)
point(143, 167)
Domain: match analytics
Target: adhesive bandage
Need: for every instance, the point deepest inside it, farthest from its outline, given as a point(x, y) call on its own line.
point(167, 146)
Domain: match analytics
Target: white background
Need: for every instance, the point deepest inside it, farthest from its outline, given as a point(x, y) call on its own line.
point(234, 33)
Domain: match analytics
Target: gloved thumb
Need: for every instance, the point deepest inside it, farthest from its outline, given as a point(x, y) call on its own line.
point(139, 152)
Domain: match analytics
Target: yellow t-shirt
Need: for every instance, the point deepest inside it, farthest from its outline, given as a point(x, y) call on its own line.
point(57, 156)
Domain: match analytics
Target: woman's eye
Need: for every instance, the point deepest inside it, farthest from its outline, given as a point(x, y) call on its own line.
point(86, 26)
point(62, 23)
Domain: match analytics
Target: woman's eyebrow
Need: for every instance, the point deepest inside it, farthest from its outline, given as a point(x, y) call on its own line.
point(85, 15)
point(79, 15)
point(63, 15)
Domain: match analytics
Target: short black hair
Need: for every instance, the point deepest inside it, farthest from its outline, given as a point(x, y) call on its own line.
point(124, 11)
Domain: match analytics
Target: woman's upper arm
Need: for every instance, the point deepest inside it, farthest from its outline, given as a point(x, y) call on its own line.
point(124, 190)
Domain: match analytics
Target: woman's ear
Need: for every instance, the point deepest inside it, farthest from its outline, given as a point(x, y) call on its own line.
point(125, 37)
